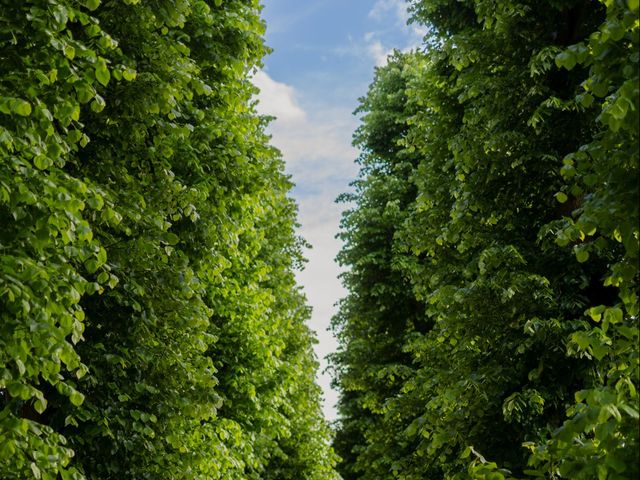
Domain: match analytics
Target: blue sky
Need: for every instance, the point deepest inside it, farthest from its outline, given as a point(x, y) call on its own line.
point(324, 56)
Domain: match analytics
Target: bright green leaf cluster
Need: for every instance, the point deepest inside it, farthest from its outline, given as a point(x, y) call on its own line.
point(491, 327)
point(150, 325)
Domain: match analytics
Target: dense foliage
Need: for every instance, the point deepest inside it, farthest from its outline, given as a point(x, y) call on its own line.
point(491, 326)
point(150, 325)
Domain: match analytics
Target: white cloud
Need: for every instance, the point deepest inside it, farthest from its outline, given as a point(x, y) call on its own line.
point(378, 52)
point(320, 219)
point(413, 34)
point(277, 99)
point(315, 142)
point(396, 7)
point(316, 145)
point(313, 130)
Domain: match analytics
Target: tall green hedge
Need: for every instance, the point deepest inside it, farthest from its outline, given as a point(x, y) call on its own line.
point(491, 327)
point(150, 325)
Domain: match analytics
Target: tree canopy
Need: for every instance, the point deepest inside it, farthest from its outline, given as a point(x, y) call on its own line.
point(150, 324)
point(491, 325)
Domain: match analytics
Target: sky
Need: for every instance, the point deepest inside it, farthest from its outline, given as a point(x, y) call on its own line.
point(324, 57)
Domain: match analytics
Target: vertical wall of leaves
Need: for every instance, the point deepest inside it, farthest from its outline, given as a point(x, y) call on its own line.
point(150, 325)
point(498, 205)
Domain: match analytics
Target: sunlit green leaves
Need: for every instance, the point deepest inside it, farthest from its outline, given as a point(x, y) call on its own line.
point(18, 106)
point(92, 4)
point(519, 243)
point(138, 240)
point(102, 72)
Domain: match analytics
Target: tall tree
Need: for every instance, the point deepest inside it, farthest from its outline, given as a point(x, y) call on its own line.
point(150, 322)
point(504, 256)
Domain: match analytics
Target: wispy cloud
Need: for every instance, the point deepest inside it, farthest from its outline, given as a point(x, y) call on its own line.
point(376, 47)
point(378, 52)
point(277, 99)
point(315, 140)
point(382, 8)
point(287, 18)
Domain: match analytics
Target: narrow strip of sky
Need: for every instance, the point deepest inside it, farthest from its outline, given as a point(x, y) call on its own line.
point(324, 55)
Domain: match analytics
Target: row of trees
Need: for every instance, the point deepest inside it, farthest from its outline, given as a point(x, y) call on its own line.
point(150, 325)
point(491, 326)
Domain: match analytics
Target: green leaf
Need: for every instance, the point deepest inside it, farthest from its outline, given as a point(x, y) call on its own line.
point(74, 136)
point(582, 255)
point(85, 93)
point(599, 350)
point(102, 73)
point(37, 474)
point(96, 202)
point(561, 197)
point(98, 104)
point(92, 4)
point(466, 453)
point(586, 100)
point(21, 107)
point(7, 448)
point(632, 412)
point(566, 59)
point(20, 364)
point(76, 397)
point(69, 52)
point(171, 238)
point(40, 405)
point(129, 74)
point(596, 312)
point(42, 162)
point(582, 339)
point(103, 277)
point(613, 315)
point(102, 256)
point(600, 89)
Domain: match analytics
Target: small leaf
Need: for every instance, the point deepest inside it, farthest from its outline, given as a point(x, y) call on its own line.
point(566, 59)
point(102, 73)
point(600, 89)
point(582, 339)
point(98, 104)
point(171, 238)
point(599, 350)
point(582, 256)
point(42, 161)
point(586, 100)
point(69, 52)
point(96, 202)
point(103, 277)
point(74, 136)
point(21, 107)
point(102, 256)
point(40, 405)
point(35, 470)
point(466, 453)
point(85, 93)
point(69, 420)
point(632, 412)
point(613, 315)
point(596, 312)
point(21, 368)
point(561, 197)
point(129, 74)
point(76, 398)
